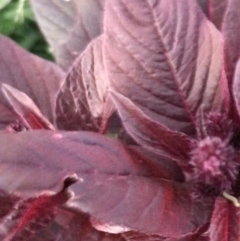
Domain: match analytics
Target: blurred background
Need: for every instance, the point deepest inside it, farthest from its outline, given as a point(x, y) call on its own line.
point(18, 23)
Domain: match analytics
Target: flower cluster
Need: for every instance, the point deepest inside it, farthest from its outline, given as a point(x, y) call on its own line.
point(214, 158)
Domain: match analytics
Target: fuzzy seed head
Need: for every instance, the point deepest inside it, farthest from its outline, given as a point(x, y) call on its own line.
point(214, 163)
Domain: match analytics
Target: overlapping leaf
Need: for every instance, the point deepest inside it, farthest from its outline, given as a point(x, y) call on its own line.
point(214, 10)
point(225, 221)
point(69, 25)
point(236, 88)
point(151, 134)
point(226, 17)
point(44, 219)
point(119, 191)
point(38, 78)
point(134, 236)
point(231, 33)
point(166, 57)
point(25, 108)
point(82, 103)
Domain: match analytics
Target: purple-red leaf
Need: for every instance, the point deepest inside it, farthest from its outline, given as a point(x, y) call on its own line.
point(150, 134)
point(226, 17)
point(214, 10)
point(236, 88)
point(138, 203)
point(134, 236)
point(82, 103)
point(225, 221)
point(120, 191)
point(166, 57)
point(26, 109)
point(37, 78)
point(43, 219)
point(161, 166)
point(69, 25)
point(31, 214)
point(231, 33)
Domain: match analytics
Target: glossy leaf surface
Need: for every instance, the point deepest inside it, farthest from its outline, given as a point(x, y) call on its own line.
point(69, 25)
point(167, 69)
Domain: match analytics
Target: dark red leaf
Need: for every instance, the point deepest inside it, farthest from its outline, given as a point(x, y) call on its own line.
point(27, 216)
point(226, 17)
point(214, 10)
point(119, 191)
point(37, 78)
point(150, 134)
point(236, 88)
point(43, 219)
point(225, 221)
point(7, 202)
point(82, 103)
point(144, 205)
point(26, 109)
point(69, 25)
point(231, 33)
point(161, 166)
point(166, 57)
point(190, 238)
point(134, 236)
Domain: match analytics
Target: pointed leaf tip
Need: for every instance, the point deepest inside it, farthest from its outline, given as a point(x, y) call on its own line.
point(69, 25)
point(37, 78)
point(26, 109)
point(150, 134)
point(167, 69)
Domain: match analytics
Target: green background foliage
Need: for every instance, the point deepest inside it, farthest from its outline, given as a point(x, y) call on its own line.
point(18, 23)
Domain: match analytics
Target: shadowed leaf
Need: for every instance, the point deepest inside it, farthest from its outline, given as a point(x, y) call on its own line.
point(69, 25)
point(167, 69)
point(225, 221)
point(214, 10)
point(37, 78)
point(226, 17)
point(44, 219)
point(236, 88)
point(133, 236)
point(28, 216)
point(150, 134)
point(231, 33)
